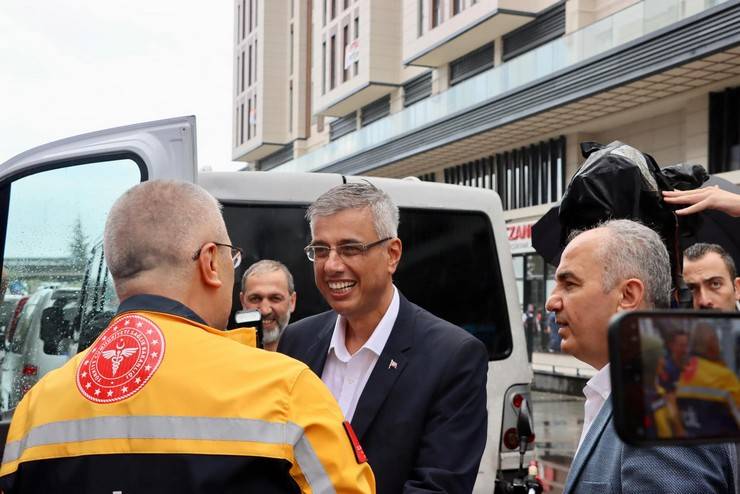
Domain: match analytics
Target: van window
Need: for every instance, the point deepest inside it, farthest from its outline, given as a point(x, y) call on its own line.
point(449, 264)
point(53, 219)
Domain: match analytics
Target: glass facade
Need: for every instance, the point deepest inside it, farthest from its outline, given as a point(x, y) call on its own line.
point(534, 282)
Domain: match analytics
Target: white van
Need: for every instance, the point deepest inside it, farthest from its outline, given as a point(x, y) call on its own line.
point(456, 261)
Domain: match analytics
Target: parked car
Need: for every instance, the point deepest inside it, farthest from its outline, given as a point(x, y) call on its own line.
point(7, 311)
point(456, 261)
point(42, 341)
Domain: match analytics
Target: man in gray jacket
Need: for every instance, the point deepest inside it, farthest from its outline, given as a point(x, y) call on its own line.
point(622, 265)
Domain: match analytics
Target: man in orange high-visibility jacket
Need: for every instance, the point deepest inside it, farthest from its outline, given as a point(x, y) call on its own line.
point(163, 402)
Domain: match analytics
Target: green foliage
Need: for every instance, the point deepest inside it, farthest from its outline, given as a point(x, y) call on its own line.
point(79, 248)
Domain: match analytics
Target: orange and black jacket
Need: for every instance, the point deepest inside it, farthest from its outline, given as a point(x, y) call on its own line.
point(212, 416)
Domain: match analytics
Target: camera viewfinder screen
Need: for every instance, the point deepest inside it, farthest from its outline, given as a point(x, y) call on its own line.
point(690, 377)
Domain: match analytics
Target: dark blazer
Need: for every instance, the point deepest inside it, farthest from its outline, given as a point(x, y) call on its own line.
point(423, 422)
point(605, 465)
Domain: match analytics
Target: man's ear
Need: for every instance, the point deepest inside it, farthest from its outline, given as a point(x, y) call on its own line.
point(737, 288)
point(293, 297)
point(395, 249)
point(632, 293)
point(208, 266)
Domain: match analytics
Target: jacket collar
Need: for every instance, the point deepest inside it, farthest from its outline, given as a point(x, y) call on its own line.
point(388, 369)
point(589, 443)
point(157, 303)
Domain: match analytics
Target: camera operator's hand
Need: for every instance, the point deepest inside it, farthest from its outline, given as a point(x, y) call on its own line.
point(705, 198)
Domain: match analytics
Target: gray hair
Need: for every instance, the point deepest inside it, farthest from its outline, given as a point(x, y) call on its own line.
point(697, 251)
point(159, 223)
point(268, 266)
point(356, 196)
point(632, 250)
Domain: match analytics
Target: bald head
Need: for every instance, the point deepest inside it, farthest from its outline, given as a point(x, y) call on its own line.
point(157, 226)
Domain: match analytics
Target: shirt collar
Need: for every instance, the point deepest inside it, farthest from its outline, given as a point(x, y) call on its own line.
point(600, 384)
point(377, 339)
point(157, 303)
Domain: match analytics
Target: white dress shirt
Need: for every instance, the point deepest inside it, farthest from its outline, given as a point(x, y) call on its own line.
point(597, 391)
point(346, 374)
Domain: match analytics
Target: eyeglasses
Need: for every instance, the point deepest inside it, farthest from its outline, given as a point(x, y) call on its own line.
point(236, 253)
point(321, 252)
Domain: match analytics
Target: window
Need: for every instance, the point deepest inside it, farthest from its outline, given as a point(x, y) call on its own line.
point(333, 62)
point(333, 9)
point(282, 155)
point(255, 61)
point(242, 71)
point(238, 22)
point(244, 26)
point(345, 46)
point(471, 64)
point(464, 254)
point(534, 279)
point(256, 10)
point(356, 65)
point(248, 120)
point(249, 83)
point(324, 13)
point(724, 131)
point(343, 126)
point(457, 6)
point(253, 116)
point(428, 177)
point(323, 67)
point(241, 127)
point(292, 8)
point(421, 9)
point(291, 49)
point(548, 25)
point(436, 13)
point(236, 127)
point(523, 177)
point(290, 106)
point(417, 89)
point(53, 255)
point(375, 110)
point(250, 16)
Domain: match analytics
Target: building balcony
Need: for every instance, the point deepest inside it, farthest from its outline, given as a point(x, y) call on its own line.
point(464, 32)
point(357, 57)
point(640, 42)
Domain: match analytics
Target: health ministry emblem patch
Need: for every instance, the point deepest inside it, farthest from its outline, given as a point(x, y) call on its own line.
point(122, 360)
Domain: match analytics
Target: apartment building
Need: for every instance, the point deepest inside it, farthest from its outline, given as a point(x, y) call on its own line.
point(486, 93)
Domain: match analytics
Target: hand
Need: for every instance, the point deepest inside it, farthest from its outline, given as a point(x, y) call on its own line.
point(705, 198)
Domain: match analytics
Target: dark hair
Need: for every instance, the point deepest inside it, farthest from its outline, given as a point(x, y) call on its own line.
point(697, 251)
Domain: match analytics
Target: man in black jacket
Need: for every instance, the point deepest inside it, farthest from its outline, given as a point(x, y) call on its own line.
point(412, 385)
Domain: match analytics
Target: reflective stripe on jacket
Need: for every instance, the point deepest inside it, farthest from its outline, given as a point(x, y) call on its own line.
point(216, 416)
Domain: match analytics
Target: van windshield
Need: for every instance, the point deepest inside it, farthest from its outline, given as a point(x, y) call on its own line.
point(449, 265)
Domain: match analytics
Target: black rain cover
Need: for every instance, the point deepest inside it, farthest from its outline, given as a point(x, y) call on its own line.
point(619, 182)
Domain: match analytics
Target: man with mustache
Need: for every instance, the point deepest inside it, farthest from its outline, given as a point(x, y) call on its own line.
point(267, 286)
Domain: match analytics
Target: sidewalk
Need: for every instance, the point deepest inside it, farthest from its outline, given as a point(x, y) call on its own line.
point(560, 364)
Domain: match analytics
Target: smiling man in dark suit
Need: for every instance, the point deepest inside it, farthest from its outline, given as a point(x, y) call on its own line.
point(412, 385)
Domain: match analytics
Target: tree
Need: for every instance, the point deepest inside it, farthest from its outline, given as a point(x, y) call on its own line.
point(79, 248)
